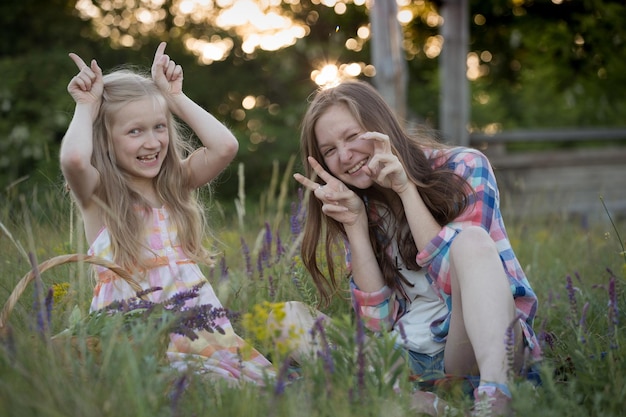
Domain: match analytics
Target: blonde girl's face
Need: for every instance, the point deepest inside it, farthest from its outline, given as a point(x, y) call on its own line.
point(140, 138)
point(344, 152)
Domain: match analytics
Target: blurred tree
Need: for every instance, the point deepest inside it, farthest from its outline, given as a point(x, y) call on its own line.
point(531, 63)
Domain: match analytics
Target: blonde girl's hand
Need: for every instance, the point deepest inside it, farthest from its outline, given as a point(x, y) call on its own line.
point(384, 167)
point(87, 86)
point(338, 201)
point(167, 75)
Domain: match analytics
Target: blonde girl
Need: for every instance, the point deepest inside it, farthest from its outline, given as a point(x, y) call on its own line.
point(135, 182)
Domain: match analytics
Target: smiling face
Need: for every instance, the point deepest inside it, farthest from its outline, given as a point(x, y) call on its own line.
point(337, 133)
point(140, 138)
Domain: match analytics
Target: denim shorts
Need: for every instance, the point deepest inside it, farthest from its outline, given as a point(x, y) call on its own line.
point(430, 369)
point(427, 366)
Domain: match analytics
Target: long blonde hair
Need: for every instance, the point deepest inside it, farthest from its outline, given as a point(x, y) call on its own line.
point(444, 193)
point(125, 211)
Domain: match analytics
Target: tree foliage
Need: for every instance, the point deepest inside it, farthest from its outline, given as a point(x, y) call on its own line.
point(541, 64)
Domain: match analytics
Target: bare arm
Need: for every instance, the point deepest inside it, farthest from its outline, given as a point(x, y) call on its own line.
point(220, 144)
point(387, 170)
point(77, 145)
point(343, 205)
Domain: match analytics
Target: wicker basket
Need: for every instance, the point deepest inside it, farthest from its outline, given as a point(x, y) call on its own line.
point(51, 263)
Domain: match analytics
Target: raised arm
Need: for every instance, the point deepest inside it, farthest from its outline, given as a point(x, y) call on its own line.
point(220, 145)
point(344, 206)
point(77, 146)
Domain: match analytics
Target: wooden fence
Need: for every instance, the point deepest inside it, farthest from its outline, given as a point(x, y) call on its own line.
point(575, 181)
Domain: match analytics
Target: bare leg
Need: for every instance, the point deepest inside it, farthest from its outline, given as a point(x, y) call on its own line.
point(482, 309)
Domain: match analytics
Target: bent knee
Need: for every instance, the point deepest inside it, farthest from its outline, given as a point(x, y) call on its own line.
point(473, 239)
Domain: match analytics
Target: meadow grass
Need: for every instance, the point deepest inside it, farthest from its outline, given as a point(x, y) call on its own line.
point(577, 270)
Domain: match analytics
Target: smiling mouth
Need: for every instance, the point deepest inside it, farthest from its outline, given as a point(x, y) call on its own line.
point(357, 167)
point(148, 158)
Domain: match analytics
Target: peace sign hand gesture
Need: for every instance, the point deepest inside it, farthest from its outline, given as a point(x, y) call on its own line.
point(87, 86)
point(338, 201)
point(167, 75)
point(384, 167)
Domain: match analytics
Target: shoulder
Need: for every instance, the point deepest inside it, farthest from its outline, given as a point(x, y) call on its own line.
point(456, 157)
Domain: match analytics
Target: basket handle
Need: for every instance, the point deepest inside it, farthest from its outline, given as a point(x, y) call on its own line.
point(56, 261)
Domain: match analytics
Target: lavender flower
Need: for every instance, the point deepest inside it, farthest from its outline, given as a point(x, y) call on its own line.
point(223, 269)
point(280, 249)
point(571, 293)
point(509, 341)
point(246, 255)
point(582, 325)
point(325, 352)
point(281, 379)
point(259, 264)
point(297, 215)
point(185, 320)
point(179, 387)
point(267, 245)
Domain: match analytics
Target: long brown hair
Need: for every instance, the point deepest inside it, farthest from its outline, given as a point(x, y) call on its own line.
point(125, 211)
point(444, 192)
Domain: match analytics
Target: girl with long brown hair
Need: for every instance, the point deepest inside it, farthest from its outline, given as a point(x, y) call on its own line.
point(428, 257)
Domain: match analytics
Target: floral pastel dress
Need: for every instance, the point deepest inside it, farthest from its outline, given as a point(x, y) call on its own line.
point(226, 355)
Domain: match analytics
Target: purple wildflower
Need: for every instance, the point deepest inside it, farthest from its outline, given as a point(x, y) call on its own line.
point(48, 307)
point(280, 249)
point(509, 341)
point(325, 351)
point(582, 324)
point(281, 379)
point(259, 264)
point(184, 320)
point(179, 387)
point(571, 293)
point(246, 255)
point(38, 299)
point(267, 244)
point(297, 215)
point(272, 287)
point(223, 269)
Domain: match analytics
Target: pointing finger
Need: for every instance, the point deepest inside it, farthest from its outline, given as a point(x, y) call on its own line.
point(319, 170)
point(77, 60)
point(160, 51)
point(309, 184)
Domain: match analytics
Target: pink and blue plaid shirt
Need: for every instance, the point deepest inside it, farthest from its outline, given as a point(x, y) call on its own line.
point(381, 309)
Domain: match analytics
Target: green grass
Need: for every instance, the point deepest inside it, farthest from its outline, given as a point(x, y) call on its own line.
point(577, 270)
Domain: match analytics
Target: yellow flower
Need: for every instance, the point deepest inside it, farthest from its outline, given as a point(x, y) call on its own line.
point(59, 291)
point(264, 325)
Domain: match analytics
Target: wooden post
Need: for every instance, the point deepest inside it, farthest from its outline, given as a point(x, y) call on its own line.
point(391, 78)
point(454, 104)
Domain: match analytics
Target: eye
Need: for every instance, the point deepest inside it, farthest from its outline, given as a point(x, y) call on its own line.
point(161, 126)
point(134, 131)
point(328, 151)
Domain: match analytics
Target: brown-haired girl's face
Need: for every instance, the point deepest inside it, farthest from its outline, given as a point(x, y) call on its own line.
point(140, 138)
point(344, 152)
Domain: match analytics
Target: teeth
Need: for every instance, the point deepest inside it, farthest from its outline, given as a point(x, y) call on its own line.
point(148, 158)
point(356, 167)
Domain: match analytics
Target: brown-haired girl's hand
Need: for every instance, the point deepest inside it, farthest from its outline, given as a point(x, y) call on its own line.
point(384, 167)
point(87, 86)
point(167, 75)
point(338, 201)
